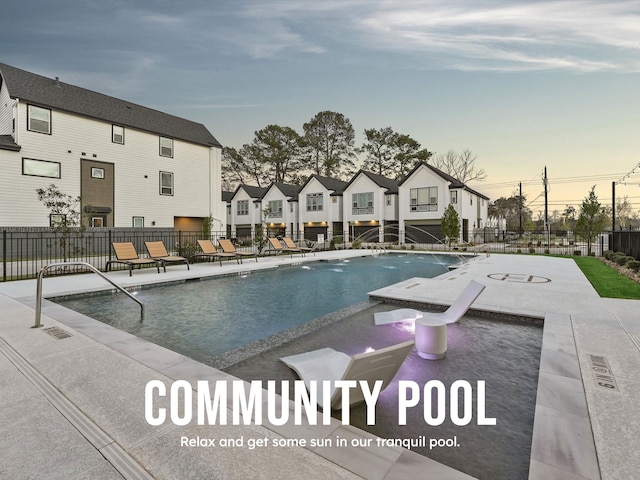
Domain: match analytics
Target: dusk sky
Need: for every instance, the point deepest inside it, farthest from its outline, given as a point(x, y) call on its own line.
point(523, 85)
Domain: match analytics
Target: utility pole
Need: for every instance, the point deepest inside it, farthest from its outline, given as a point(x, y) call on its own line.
point(546, 205)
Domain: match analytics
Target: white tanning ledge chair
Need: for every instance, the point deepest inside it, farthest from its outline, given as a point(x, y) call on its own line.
point(451, 315)
point(329, 364)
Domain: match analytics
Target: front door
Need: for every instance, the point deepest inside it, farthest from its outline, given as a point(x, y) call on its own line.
point(96, 193)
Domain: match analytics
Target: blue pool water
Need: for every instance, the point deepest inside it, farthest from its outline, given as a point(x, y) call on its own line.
point(205, 318)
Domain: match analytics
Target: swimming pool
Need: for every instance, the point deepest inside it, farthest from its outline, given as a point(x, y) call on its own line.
point(211, 316)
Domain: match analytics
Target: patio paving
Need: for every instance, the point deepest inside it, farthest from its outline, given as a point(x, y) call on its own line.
point(73, 407)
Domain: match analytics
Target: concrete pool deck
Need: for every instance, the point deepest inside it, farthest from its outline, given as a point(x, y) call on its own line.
point(72, 406)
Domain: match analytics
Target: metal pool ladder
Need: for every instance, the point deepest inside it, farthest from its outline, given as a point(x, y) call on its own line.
point(90, 267)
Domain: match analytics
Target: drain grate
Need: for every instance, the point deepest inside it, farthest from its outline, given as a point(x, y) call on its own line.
point(57, 332)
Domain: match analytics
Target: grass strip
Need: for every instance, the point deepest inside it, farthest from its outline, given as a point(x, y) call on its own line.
point(606, 280)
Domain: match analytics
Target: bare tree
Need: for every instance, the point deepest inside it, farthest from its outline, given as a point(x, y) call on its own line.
point(461, 166)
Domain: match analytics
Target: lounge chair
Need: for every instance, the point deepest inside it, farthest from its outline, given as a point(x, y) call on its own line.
point(451, 315)
point(127, 255)
point(228, 247)
point(210, 251)
point(289, 243)
point(158, 252)
point(277, 247)
point(328, 364)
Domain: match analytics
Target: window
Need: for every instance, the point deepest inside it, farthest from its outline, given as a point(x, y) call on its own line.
point(388, 200)
point(243, 207)
point(137, 222)
point(424, 199)
point(117, 134)
point(166, 147)
point(97, 172)
point(40, 168)
point(39, 119)
point(97, 221)
point(362, 203)
point(275, 208)
point(314, 202)
point(454, 196)
point(470, 199)
point(166, 183)
point(56, 220)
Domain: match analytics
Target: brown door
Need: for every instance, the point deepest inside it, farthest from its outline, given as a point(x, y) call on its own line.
point(96, 192)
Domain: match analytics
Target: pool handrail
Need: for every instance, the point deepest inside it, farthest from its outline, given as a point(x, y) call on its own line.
point(85, 264)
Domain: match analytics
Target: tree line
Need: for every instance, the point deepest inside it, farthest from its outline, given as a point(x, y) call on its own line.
point(327, 147)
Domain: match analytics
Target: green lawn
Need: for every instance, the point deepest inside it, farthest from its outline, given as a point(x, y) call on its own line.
point(607, 281)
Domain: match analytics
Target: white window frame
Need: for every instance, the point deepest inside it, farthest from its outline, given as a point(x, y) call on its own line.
point(315, 202)
point(362, 203)
point(454, 196)
point(166, 147)
point(275, 208)
point(34, 111)
point(242, 207)
point(137, 222)
point(97, 172)
point(166, 188)
point(117, 134)
point(424, 199)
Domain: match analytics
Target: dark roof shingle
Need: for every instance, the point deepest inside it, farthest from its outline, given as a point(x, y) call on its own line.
point(58, 95)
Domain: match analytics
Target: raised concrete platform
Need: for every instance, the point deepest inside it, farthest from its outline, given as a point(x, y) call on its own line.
point(73, 407)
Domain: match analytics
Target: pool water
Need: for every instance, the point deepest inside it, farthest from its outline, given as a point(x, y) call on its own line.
point(202, 319)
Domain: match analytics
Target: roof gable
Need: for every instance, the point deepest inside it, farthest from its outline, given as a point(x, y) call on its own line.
point(58, 95)
point(453, 182)
point(332, 184)
point(389, 184)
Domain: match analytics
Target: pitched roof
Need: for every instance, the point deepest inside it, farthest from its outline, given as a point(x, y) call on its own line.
point(289, 190)
point(253, 191)
point(388, 183)
point(337, 186)
point(454, 182)
point(227, 196)
point(58, 95)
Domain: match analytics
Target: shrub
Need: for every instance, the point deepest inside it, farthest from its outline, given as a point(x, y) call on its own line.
point(577, 252)
point(607, 254)
point(356, 243)
point(532, 250)
point(634, 265)
point(546, 251)
point(519, 251)
point(623, 259)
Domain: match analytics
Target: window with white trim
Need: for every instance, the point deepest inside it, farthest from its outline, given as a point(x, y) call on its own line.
point(242, 207)
point(38, 119)
point(362, 203)
point(137, 222)
point(166, 183)
point(275, 208)
point(424, 199)
point(454, 196)
point(166, 147)
point(314, 202)
point(117, 134)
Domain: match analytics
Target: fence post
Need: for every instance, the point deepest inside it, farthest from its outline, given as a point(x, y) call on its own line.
point(4, 255)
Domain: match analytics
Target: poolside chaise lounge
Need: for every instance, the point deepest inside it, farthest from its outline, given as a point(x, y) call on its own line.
point(127, 255)
point(329, 364)
point(451, 315)
point(228, 247)
point(158, 252)
point(210, 251)
point(277, 247)
point(289, 243)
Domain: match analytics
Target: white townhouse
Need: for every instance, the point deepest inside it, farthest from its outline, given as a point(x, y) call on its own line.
point(370, 208)
point(131, 165)
point(424, 195)
point(246, 211)
point(320, 208)
point(280, 201)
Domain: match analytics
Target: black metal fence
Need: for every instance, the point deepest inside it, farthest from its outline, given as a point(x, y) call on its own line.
point(26, 250)
point(626, 241)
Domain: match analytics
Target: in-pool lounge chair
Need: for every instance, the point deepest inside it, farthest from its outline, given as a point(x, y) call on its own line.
point(126, 254)
point(289, 243)
point(228, 247)
point(451, 315)
point(158, 252)
point(277, 247)
point(329, 364)
point(210, 251)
